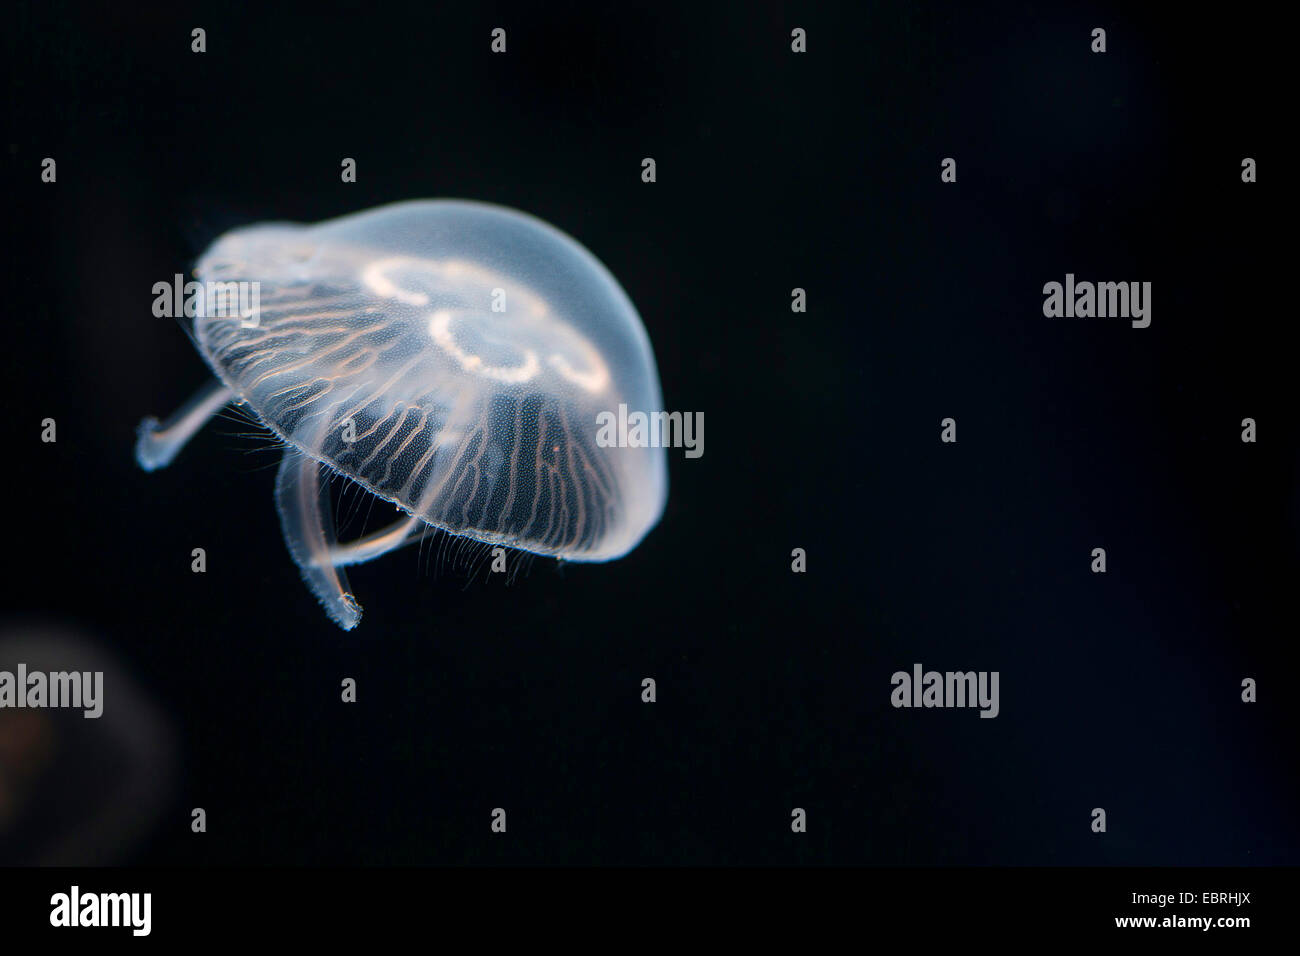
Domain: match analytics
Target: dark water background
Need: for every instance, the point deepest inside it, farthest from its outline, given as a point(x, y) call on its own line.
point(774, 171)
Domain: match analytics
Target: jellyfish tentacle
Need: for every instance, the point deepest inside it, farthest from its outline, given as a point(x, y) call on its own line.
point(309, 532)
point(157, 443)
point(396, 535)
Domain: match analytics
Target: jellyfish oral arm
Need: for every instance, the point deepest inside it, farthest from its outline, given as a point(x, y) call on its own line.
point(157, 443)
point(373, 545)
point(309, 533)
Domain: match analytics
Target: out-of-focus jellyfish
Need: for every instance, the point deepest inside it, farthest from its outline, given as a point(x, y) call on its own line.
point(86, 757)
point(450, 357)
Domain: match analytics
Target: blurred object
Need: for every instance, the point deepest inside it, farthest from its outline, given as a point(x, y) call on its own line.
point(77, 791)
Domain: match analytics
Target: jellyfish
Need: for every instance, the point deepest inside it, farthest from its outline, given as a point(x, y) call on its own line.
point(450, 357)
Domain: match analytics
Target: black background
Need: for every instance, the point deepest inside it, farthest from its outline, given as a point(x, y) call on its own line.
point(822, 431)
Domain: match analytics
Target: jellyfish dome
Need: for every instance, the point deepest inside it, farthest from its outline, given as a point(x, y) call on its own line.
point(450, 357)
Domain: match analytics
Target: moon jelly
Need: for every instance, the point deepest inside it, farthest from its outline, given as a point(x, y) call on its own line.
point(450, 357)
